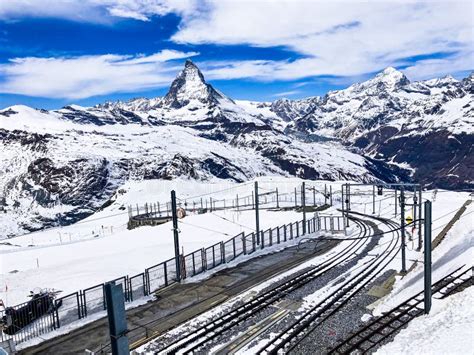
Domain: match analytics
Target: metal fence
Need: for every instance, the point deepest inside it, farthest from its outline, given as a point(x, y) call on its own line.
point(83, 303)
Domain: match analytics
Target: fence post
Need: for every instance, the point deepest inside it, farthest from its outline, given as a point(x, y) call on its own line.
point(176, 236)
point(204, 258)
point(427, 264)
point(244, 244)
point(147, 277)
point(284, 232)
point(278, 203)
point(262, 234)
point(297, 229)
point(257, 217)
point(233, 244)
point(222, 253)
point(166, 273)
point(271, 236)
point(278, 235)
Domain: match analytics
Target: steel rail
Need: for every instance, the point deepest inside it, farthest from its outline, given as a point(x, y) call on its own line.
point(299, 329)
point(390, 322)
point(217, 326)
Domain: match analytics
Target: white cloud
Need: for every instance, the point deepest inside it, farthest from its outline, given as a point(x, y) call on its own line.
point(287, 93)
point(96, 11)
point(343, 38)
point(86, 76)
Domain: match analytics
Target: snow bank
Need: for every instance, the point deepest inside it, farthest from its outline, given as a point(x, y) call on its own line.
point(448, 329)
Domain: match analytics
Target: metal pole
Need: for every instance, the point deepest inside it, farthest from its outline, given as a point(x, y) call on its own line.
point(176, 236)
point(237, 201)
point(342, 203)
point(373, 199)
point(330, 193)
point(117, 320)
point(325, 194)
point(415, 212)
point(303, 203)
point(427, 223)
point(396, 201)
point(314, 196)
point(257, 218)
point(402, 219)
point(296, 199)
point(346, 196)
point(278, 203)
point(420, 203)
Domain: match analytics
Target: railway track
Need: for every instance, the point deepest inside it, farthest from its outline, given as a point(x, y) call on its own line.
point(384, 327)
point(298, 330)
point(196, 339)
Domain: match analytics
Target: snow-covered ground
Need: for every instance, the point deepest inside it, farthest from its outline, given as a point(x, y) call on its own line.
point(100, 248)
point(448, 329)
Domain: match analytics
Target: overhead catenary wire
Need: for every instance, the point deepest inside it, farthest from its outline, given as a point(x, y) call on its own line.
point(205, 228)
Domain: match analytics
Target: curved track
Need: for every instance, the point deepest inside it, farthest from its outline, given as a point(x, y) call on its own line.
point(193, 341)
point(286, 340)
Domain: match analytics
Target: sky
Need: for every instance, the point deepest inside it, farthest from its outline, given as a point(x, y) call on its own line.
point(58, 52)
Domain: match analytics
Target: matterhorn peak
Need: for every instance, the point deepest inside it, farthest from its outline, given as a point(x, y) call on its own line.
point(190, 86)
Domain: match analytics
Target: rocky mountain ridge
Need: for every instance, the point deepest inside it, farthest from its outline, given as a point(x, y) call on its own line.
point(59, 166)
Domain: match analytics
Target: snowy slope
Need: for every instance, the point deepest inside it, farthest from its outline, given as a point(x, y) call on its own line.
point(59, 166)
point(56, 171)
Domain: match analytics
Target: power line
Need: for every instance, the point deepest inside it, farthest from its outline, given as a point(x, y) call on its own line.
point(228, 220)
point(208, 229)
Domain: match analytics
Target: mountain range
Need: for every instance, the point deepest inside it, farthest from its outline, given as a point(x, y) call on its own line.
point(59, 166)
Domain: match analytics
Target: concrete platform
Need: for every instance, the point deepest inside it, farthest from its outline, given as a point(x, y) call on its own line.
point(181, 302)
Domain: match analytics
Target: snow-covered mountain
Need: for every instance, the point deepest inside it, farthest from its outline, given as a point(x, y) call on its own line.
point(59, 166)
point(426, 126)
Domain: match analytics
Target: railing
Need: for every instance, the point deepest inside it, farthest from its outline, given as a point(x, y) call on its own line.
point(152, 213)
point(83, 303)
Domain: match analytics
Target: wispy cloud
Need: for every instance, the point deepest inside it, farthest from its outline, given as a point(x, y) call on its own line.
point(86, 76)
point(339, 38)
point(337, 41)
point(95, 11)
point(287, 93)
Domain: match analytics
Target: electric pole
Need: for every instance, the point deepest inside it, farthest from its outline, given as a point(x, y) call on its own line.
point(176, 235)
point(373, 199)
point(257, 218)
point(420, 201)
point(303, 203)
point(402, 219)
point(427, 223)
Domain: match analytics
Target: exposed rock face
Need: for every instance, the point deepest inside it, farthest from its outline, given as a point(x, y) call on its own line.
point(59, 166)
point(190, 86)
point(394, 120)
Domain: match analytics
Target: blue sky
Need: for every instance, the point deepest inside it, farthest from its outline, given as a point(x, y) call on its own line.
point(54, 53)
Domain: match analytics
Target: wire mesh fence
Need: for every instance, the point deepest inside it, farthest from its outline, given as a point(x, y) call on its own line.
point(27, 322)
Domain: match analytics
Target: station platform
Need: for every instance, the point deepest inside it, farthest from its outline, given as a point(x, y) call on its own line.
point(182, 301)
